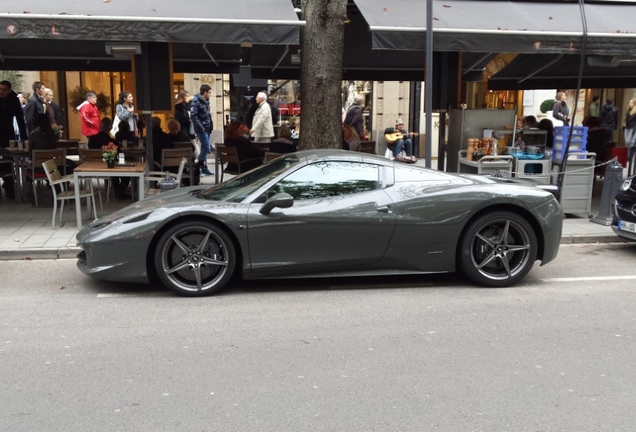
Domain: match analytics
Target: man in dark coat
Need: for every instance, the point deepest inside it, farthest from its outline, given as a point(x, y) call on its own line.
point(609, 117)
point(9, 109)
point(35, 105)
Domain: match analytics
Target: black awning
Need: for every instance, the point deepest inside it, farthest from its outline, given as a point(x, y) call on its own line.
point(244, 79)
point(47, 54)
point(360, 60)
point(213, 21)
point(550, 71)
point(501, 26)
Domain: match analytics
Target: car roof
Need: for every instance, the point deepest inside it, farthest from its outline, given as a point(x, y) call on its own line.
point(335, 154)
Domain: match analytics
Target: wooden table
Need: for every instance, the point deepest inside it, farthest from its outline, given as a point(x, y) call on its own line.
point(99, 169)
point(18, 169)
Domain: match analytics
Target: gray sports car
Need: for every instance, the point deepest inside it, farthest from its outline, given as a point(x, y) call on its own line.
point(327, 213)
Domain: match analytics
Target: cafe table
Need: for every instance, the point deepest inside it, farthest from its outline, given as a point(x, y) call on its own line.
point(92, 169)
point(18, 159)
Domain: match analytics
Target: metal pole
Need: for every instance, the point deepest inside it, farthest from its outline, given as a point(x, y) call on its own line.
point(428, 82)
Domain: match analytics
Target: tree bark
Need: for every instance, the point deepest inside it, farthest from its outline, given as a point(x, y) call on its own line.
point(322, 47)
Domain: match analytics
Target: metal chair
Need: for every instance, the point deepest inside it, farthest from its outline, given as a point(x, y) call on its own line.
point(56, 179)
point(36, 174)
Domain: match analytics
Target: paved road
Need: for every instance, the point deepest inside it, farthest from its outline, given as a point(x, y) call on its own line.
point(412, 354)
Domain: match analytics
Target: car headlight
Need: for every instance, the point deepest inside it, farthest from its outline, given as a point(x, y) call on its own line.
point(626, 184)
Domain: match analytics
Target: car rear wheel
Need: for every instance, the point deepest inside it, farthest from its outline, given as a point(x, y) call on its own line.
point(498, 249)
point(195, 258)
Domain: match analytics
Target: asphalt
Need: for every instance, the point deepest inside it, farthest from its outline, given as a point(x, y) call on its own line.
point(26, 233)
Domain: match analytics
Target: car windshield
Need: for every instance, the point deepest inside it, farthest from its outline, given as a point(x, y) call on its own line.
point(238, 188)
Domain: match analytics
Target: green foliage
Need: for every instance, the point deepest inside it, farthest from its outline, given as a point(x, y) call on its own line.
point(78, 95)
point(14, 77)
point(546, 105)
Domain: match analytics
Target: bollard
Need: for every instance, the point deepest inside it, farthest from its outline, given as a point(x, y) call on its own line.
point(611, 185)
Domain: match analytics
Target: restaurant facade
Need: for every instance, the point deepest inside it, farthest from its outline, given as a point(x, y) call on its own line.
point(491, 63)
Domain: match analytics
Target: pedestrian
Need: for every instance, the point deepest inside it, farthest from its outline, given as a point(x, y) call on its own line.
point(10, 112)
point(609, 117)
point(53, 109)
point(89, 115)
point(262, 127)
point(125, 111)
point(630, 128)
point(35, 105)
point(182, 113)
point(593, 107)
point(202, 121)
point(354, 116)
point(560, 110)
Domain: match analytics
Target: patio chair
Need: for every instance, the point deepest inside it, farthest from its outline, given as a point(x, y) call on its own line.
point(38, 157)
point(96, 155)
point(157, 176)
point(228, 155)
point(171, 159)
point(367, 147)
point(56, 179)
point(272, 155)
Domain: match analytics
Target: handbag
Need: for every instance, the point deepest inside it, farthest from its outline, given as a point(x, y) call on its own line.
point(168, 183)
point(115, 128)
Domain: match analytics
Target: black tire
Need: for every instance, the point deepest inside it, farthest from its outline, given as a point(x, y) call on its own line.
point(498, 249)
point(195, 258)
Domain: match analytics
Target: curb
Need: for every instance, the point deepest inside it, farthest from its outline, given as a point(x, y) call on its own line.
point(592, 238)
point(39, 254)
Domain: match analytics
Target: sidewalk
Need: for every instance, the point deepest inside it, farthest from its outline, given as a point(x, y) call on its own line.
point(25, 230)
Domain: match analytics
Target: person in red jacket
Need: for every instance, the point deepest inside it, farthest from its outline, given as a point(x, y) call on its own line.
point(89, 115)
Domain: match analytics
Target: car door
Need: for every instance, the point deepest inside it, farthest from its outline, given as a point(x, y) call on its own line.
point(341, 217)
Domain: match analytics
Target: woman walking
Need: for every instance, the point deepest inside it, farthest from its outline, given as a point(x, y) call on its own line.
point(630, 129)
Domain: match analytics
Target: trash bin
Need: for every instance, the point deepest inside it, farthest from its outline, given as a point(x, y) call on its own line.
point(578, 181)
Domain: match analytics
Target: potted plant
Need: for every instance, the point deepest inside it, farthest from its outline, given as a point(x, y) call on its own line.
point(109, 154)
point(546, 105)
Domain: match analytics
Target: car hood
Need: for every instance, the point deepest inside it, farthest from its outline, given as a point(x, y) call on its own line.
point(181, 197)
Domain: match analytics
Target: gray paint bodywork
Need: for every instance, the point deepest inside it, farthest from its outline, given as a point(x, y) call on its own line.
point(411, 225)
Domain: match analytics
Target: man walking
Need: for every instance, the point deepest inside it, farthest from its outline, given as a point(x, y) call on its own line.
point(262, 126)
point(609, 118)
point(202, 122)
point(35, 105)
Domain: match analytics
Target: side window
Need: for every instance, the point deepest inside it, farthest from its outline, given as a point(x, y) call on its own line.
point(329, 179)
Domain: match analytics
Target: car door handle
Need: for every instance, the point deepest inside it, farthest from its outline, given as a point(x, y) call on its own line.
point(384, 209)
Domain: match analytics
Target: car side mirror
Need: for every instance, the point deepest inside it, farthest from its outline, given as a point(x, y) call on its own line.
point(280, 200)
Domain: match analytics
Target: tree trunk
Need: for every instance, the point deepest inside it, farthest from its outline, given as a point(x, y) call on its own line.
point(322, 49)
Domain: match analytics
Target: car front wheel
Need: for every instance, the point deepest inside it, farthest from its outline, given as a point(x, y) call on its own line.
point(498, 249)
point(195, 258)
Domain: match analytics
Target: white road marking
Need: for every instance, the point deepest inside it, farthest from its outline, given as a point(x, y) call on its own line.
point(589, 278)
point(111, 295)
